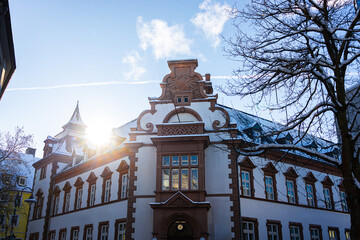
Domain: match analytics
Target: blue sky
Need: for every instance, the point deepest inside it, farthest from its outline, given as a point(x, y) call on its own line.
point(108, 55)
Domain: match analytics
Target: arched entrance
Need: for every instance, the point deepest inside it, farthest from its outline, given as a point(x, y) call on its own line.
point(180, 229)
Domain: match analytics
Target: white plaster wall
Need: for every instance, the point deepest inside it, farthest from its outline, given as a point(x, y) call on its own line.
point(217, 170)
point(219, 218)
point(35, 226)
point(143, 224)
point(146, 171)
point(263, 210)
point(111, 212)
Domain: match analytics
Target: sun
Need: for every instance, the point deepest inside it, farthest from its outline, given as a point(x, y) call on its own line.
point(98, 135)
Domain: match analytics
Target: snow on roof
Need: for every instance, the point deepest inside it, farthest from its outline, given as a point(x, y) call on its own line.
point(246, 121)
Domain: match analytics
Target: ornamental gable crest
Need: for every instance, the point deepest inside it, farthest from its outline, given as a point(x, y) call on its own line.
point(184, 81)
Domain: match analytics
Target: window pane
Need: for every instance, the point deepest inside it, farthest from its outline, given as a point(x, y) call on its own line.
point(194, 160)
point(184, 160)
point(166, 179)
point(185, 179)
point(175, 160)
point(194, 178)
point(166, 161)
point(175, 179)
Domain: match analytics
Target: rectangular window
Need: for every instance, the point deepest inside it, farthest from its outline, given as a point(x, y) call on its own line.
point(343, 201)
point(14, 220)
point(175, 179)
point(121, 231)
point(79, 198)
point(75, 235)
point(347, 235)
point(248, 230)
point(333, 235)
point(21, 181)
point(245, 182)
point(273, 231)
point(184, 179)
point(104, 232)
point(269, 188)
point(92, 195)
point(88, 233)
point(314, 234)
point(166, 179)
point(194, 179)
point(56, 204)
point(327, 197)
point(184, 160)
point(310, 195)
point(67, 202)
point(52, 236)
point(166, 161)
point(124, 186)
point(107, 191)
point(43, 173)
point(290, 191)
point(175, 160)
point(295, 233)
point(63, 235)
point(194, 160)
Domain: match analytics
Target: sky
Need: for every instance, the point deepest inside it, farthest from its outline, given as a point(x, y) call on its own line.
point(108, 55)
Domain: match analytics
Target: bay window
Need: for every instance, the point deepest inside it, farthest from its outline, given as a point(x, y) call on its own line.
point(180, 172)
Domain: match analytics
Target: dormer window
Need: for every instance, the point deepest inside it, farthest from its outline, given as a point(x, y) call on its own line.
point(288, 141)
point(21, 181)
point(257, 138)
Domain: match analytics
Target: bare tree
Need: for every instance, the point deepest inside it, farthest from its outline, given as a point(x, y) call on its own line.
point(12, 165)
point(301, 58)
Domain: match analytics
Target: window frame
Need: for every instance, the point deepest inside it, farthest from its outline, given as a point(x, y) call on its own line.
point(86, 227)
point(61, 231)
point(270, 171)
point(347, 233)
point(336, 230)
point(256, 226)
point(291, 175)
point(78, 199)
point(311, 180)
point(327, 184)
point(299, 226)
point(72, 231)
point(344, 205)
point(91, 181)
point(52, 235)
point(106, 185)
point(123, 169)
point(318, 227)
point(43, 172)
point(101, 225)
point(279, 227)
point(116, 225)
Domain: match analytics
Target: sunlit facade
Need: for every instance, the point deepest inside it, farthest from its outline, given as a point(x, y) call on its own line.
point(173, 173)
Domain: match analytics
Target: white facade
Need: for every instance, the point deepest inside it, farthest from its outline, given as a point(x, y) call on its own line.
point(173, 175)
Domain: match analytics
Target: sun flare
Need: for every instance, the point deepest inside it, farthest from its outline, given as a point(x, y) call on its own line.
point(99, 135)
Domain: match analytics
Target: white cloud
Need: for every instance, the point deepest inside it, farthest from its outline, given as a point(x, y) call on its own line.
point(212, 19)
point(135, 71)
point(165, 41)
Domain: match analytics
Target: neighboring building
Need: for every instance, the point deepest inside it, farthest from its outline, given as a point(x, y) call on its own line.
point(172, 174)
point(12, 184)
point(7, 53)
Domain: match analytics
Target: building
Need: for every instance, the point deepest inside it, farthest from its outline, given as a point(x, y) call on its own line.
point(7, 53)
point(14, 184)
point(173, 173)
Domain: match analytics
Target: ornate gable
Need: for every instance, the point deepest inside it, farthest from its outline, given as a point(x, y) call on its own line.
point(183, 81)
point(106, 172)
point(247, 163)
point(122, 166)
point(310, 177)
point(291, 173)
point(79, 182)
point(270, 168)
point(327, 181)
point(92, 177)
point(67, 187)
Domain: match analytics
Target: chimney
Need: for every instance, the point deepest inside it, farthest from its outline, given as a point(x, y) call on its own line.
point(31, 151)
point(207, 77)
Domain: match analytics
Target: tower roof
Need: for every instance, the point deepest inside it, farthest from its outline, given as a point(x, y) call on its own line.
point(75, 124)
